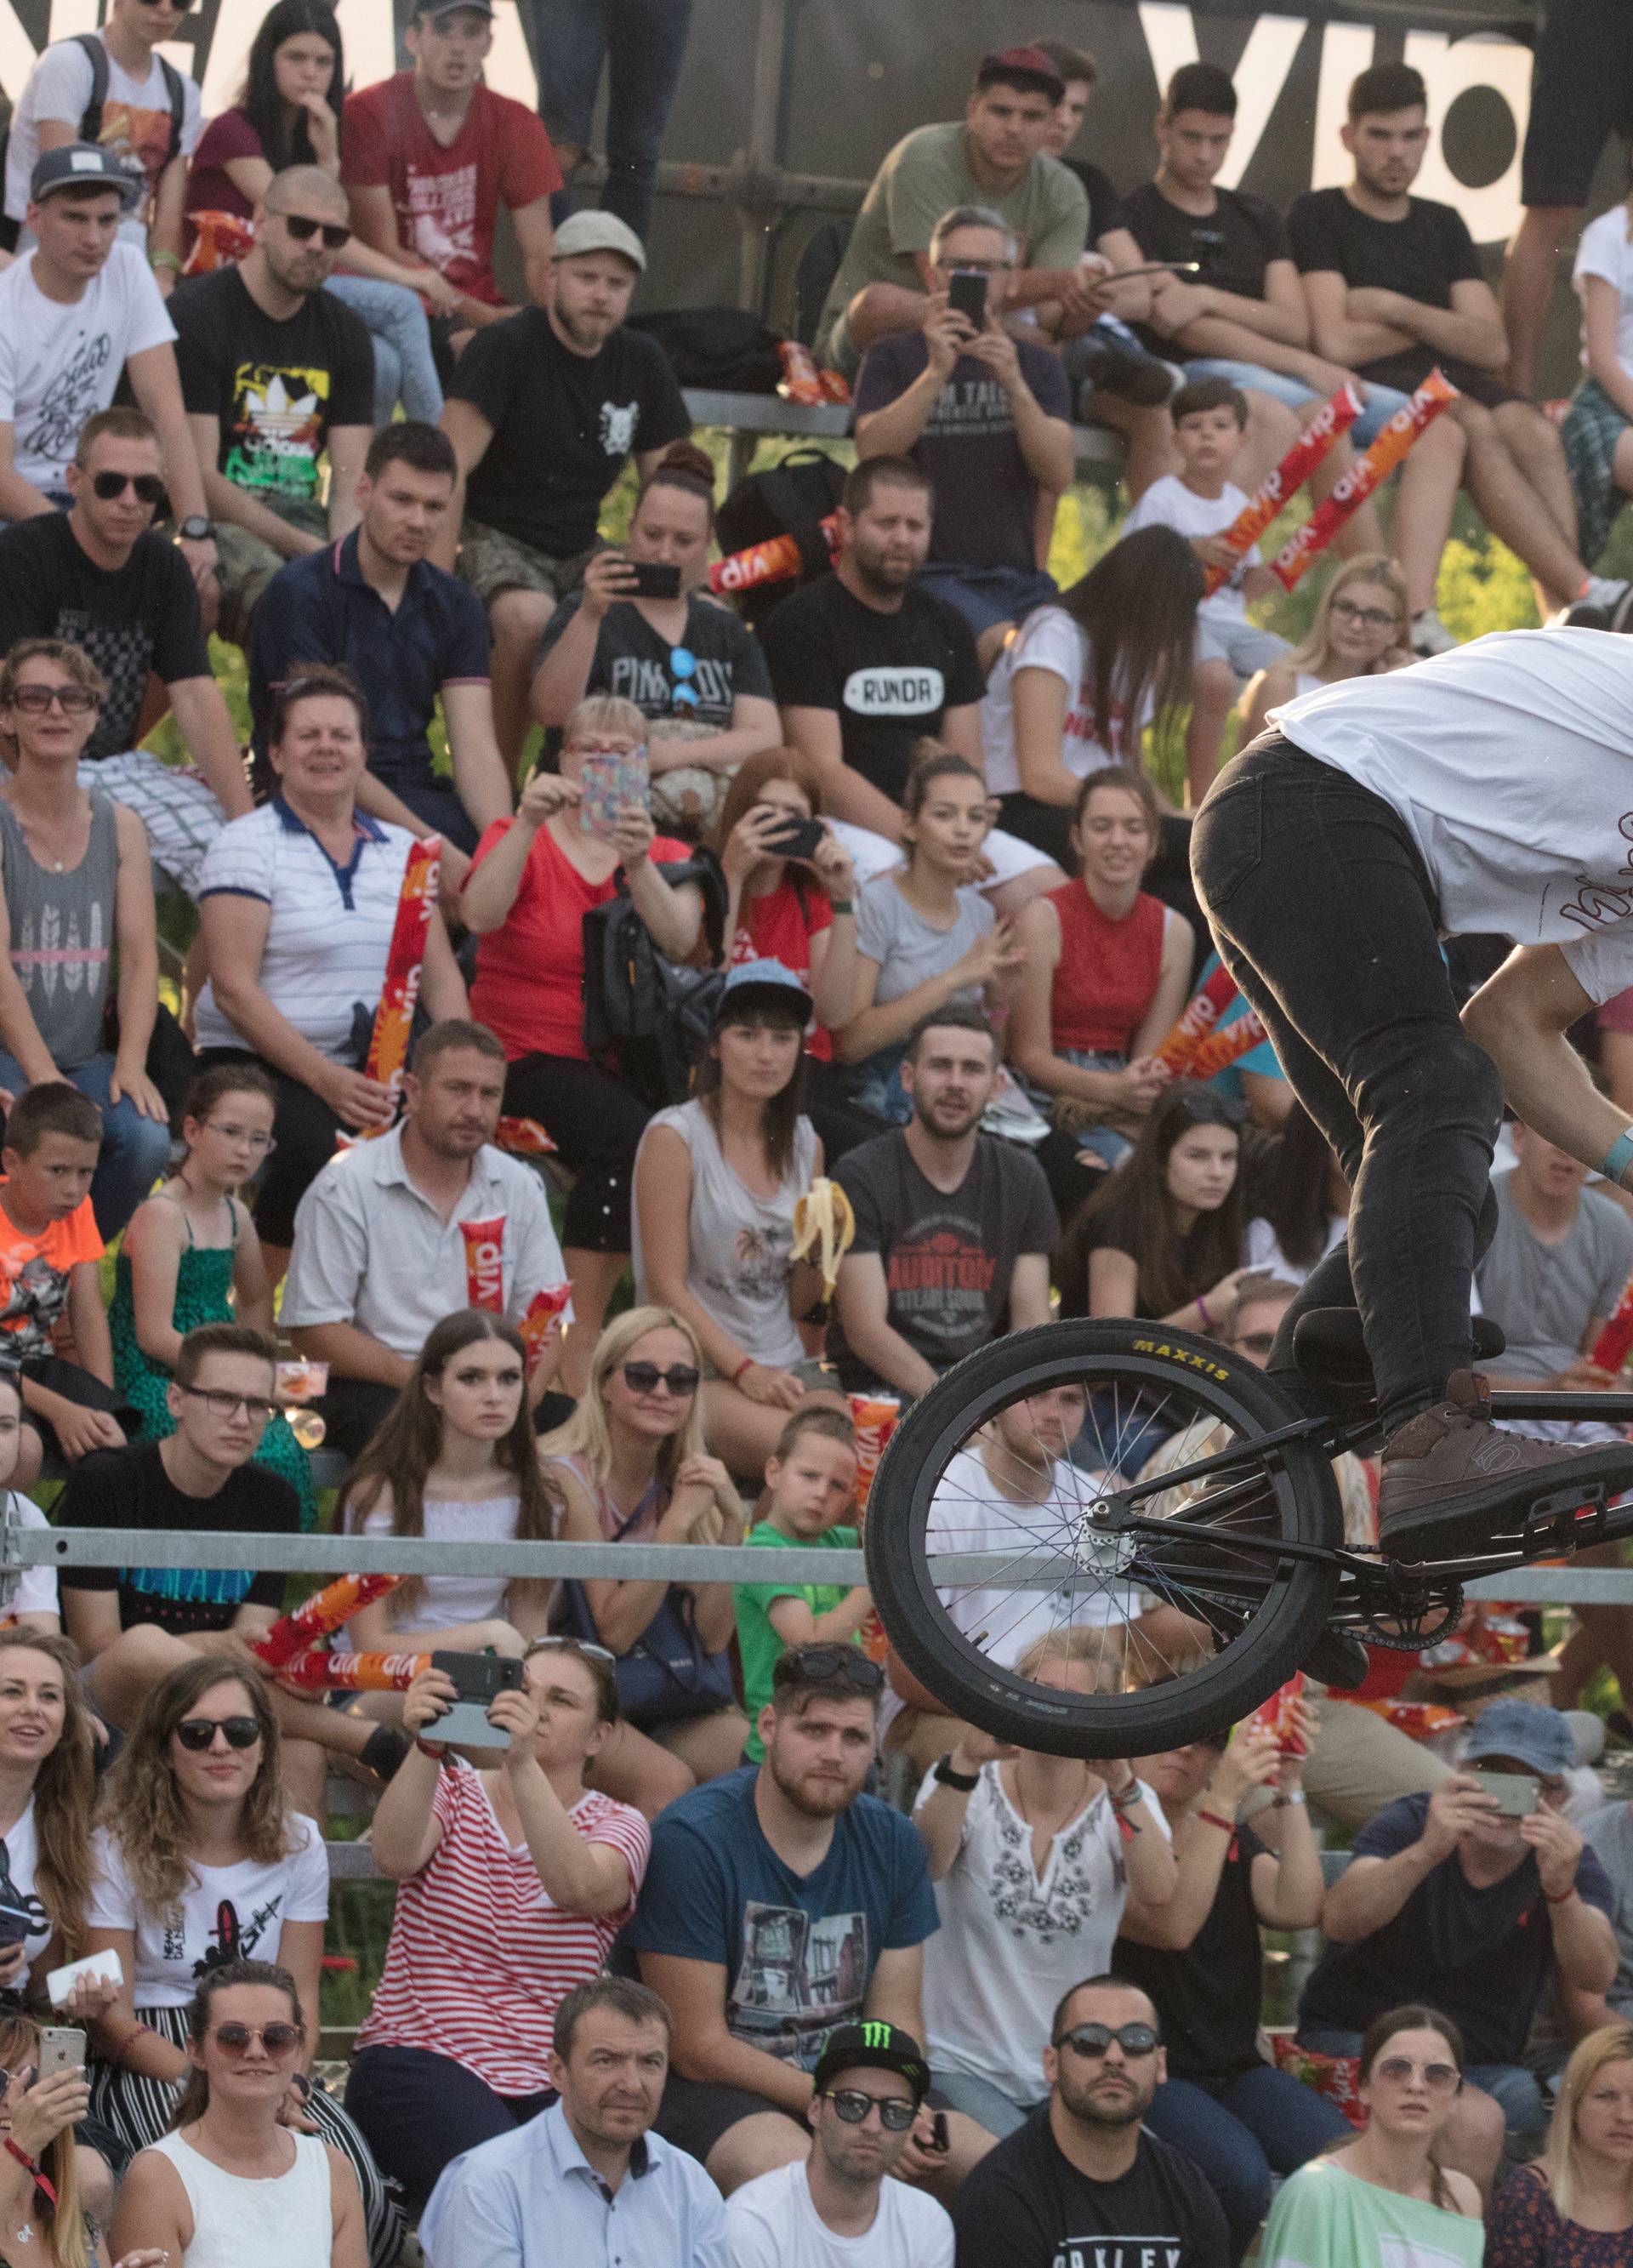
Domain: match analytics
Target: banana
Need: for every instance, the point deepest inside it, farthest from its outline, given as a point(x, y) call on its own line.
point(824, 1222)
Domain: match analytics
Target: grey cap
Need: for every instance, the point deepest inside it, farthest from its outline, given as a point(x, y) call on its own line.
point(77, 165)
point(447, 7)
point(760, 980)
point(598, 231)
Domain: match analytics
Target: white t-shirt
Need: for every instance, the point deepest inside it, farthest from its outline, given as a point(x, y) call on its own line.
point(1511, 761)
point(968, 1513)
point(1051, 639)
point(36, 1586)
point(225, 1913)
point(135, 123)
point(772, 2223)
point(1606, 251)
point(1168, 503)
point(1010, 1946)
point(446, 1600)
point(20, 1859)
point(59, 364)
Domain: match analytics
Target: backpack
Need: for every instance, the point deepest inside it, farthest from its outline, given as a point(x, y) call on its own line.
point(1618, 616)
point(792, 499)
point(91, 121)
point(718, 348)
point(645, 1018)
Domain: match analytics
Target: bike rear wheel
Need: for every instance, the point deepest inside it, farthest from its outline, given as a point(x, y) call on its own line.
point(1036, 1453)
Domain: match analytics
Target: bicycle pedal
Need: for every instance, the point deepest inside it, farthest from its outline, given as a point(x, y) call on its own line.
point(1571, 1519)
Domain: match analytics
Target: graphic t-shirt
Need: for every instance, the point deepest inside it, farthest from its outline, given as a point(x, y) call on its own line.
point(633, 663)
point(1543, 1294)
point(1168, 503)
point(757, 1641)
point(141, 617)
point(890, 677)
point(948, 1258)
point(1422, 256)
point(564, 426)
point(1027, 2205)
point(1051, 639)
point(986, 498)
point(60, 364)
point(275, 389)
point(226, 1913)
point(1235, 243)
point(136, 124)
point(129, 1488)
point(798, 1950)
point(447, 199)
point(34, 1271)
point(19, 1864)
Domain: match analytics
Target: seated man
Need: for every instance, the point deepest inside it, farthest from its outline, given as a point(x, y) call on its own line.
point(407, 631)
point(1447, 1900)
point(396, 1233)
point(1394, 288)
point(782, 1903)
point(955, 1228)
point(543, 412)
point(278, 374)
point(98, 577)
point(1609, 1833)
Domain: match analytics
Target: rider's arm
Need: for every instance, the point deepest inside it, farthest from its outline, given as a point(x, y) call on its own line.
point(1520, 1017)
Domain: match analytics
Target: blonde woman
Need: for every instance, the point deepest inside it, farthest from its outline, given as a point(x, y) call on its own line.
point(634, 1467)
point(46, 2220)
point(1573, 2207)
point(1361, 630)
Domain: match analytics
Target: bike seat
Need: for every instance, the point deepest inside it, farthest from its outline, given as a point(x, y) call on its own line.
point(1330, 1350)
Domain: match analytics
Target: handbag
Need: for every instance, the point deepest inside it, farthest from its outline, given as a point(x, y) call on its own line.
point(668, 1672)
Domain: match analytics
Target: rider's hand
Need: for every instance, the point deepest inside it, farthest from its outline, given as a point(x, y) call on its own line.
point(1457, 1807)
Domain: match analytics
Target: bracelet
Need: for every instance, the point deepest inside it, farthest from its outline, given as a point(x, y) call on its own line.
point(748, 1363)
point(164, 260)
point(966, 1782)
point(1224, 1826)
point(1202, 1309)
point(1292, 1795)
point(841, 906)
point(1126, 1799)
point(1618, 1156)
point(435, 1750)
point(1565, 1897)
point(128, 2042)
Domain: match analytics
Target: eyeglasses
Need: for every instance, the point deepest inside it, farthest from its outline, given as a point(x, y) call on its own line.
point(1374, 618)
point(805, 1664)
point(303, 230)
point(147, 486)
point(1090, 2041)
point(683, 669)
point(853, 2104)
point(262, 1145)
point(577, 1645)
point(1438, 2077)
point(35, 700)
point(277, 2039)
point(198, 1733)
point(226, 1406)
point(680, 1378)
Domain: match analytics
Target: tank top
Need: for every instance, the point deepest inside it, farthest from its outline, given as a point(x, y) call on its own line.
point(1106, 972)
point(287, 2222)
point(62, 933)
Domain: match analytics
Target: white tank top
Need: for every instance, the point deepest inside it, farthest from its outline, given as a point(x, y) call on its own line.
point(288, 2222)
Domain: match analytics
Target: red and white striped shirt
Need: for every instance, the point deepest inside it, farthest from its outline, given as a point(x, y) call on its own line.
point(480, 1955)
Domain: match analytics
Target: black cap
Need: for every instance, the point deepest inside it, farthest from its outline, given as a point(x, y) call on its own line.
point(873, 2047)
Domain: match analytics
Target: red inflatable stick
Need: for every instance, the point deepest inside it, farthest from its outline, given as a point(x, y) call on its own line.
point(1223, 1047)
point(1330, 423)
point(776, 560)
point(316, 1616)
point(405, 957)
point(540, 1319)
point(1413, 418)
point(1203, 1010)
point(484, 1263)
point(1614, 1342)
point(318, 1670)
point(524, 1138)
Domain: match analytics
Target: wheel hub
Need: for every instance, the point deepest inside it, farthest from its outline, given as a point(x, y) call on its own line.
point(1105, 1544)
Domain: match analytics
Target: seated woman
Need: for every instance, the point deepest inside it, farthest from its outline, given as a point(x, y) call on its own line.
point(198, 1851)
point(232, 2180)
point(532, 882)
point(288, 112)
point(1104, 972)
point(1304, 1202)
point(45, 2200)
point(692, 667)
point(925, 935)
point(191, 1255)
point(717, 1179)
point(1362, 629)
point(298, 902)
point(74, 867)
point(515, 1880)
point(45, 1808)
point(634, 1467)
point(1572, 2207)
point(1598, 429)
point(455, 1462)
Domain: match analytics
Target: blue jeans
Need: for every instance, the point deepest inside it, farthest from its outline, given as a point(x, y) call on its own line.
point(988, 2105)
point(643, 43)
point(1382, 401)
point(1524, 2106)
point(136, 1151)
point(1242, 2131)
point(987, 595)
point(405, 369)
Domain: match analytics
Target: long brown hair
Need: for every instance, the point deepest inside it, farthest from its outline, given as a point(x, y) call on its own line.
point(232, 1974)
point(410, 1442)
point(1134, 1212)
point(1137, 606)
point(67, 2244)
point(142, 1808)
point(779, 1115)
point(63, 1791)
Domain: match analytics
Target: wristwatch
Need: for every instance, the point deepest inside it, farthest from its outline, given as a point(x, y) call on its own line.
point(195, 528)
point(966, 1782)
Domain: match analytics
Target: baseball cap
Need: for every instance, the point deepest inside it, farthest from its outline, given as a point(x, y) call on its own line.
point(1527, 1732)
point(591, 230)
point(873, 2047)
point(447, 7)
point(1021, 63)
point(76, 164)
point(760, 980)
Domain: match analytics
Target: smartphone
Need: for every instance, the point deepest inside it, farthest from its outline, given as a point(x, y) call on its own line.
point(607, 784)
point(652, 579)
point(478, 1679)
point(798, 839)
point(966, 295)
point(940, 2141)
point(62, 2048)
point(13, 1927)
point(61, 1981)
point(1517, 1793)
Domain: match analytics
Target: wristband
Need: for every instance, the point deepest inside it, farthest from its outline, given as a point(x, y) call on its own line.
point(1224, 1826)
point(164, 260)
point(966, 1782)
point(748, 1363)
point(841, 906)
point(435, 1750)
point(1125, 1799)
point(1289, 1796)
point(1565, 1897)
point(1618, 1156)
point(1202, 1309)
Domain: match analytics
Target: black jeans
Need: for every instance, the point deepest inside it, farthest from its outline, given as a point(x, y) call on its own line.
point(1325, 916)
point(596, 1123)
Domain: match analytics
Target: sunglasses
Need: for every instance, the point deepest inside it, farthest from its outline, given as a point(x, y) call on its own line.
point(801, 1665)
point(1438, 2077)
point(303, 230)
point(147, 486)
point(199, 1733)
point(277, 2039)
point(35, 700)
point(680, 1378)
point(226, 1406)
point(578, 1645)
point(1090, 2041)
point(853, 2105)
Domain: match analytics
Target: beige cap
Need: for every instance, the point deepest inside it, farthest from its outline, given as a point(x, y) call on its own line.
point(598, 231)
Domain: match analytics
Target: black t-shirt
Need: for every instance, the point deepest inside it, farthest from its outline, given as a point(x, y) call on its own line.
point(274, 388)
point(891, 678)
point(131, 620)
point(1101, 196)
point(1422, 256)
point(1235, 243)
point(1026, 2206)
point(129, 1488)
point(564, 426)
point(1209, 1992)
point(948, 1259)
point(634, 663)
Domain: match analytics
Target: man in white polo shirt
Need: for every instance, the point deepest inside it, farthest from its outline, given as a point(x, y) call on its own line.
point(397, 1233)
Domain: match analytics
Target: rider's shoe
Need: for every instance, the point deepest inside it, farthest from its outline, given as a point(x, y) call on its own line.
point(1450, 1476)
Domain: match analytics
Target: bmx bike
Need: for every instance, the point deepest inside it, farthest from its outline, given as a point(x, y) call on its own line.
point(1096, 1473)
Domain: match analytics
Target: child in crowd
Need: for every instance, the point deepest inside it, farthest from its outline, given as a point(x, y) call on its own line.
point(810, 1488)
point(1201, 501)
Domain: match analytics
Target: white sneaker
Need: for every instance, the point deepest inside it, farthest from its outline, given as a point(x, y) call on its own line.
point(1429, 635)
point(1601, 591)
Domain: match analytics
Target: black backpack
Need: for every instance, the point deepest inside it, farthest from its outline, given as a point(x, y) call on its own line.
point(645, 1018)
point(717, 348)
point(792, 499)
point(91, 121)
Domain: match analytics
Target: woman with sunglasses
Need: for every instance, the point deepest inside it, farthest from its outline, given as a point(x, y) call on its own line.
point(1572, 2207)
point(515, 1880)
point(1361, 630)
point(74, 867)
point(191, 1255)
point(1385, 2197)
point(200, 1858)
point(233, 2184)
point(634, 1467)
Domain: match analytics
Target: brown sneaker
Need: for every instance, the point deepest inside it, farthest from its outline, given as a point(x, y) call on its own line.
point(1451, 1480)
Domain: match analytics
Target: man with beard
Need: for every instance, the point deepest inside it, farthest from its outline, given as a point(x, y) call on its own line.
point(394, 1234)
point(954, 1228)
point(1081, 2184)
point(781, 1904)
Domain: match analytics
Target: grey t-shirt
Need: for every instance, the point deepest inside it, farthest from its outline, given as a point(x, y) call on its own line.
point(1610, 1833)
point(908, 949)
point(1544, 1296)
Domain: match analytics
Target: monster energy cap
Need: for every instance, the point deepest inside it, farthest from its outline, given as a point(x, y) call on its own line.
point(873, 2047)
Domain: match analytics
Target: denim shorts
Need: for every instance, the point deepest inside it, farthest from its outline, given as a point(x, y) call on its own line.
point(1382, 401)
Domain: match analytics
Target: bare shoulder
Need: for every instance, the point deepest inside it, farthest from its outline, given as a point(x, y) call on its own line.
point(1464, 2194)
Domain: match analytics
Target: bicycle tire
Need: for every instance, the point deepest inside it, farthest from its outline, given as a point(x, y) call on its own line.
point(1275, 1637)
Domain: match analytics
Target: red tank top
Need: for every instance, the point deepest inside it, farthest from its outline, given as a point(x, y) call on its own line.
point(1106, 972)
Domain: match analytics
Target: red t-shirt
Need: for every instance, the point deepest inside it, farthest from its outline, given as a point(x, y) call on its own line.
point(780, 926)
point(447, 200)
point(529, 988)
